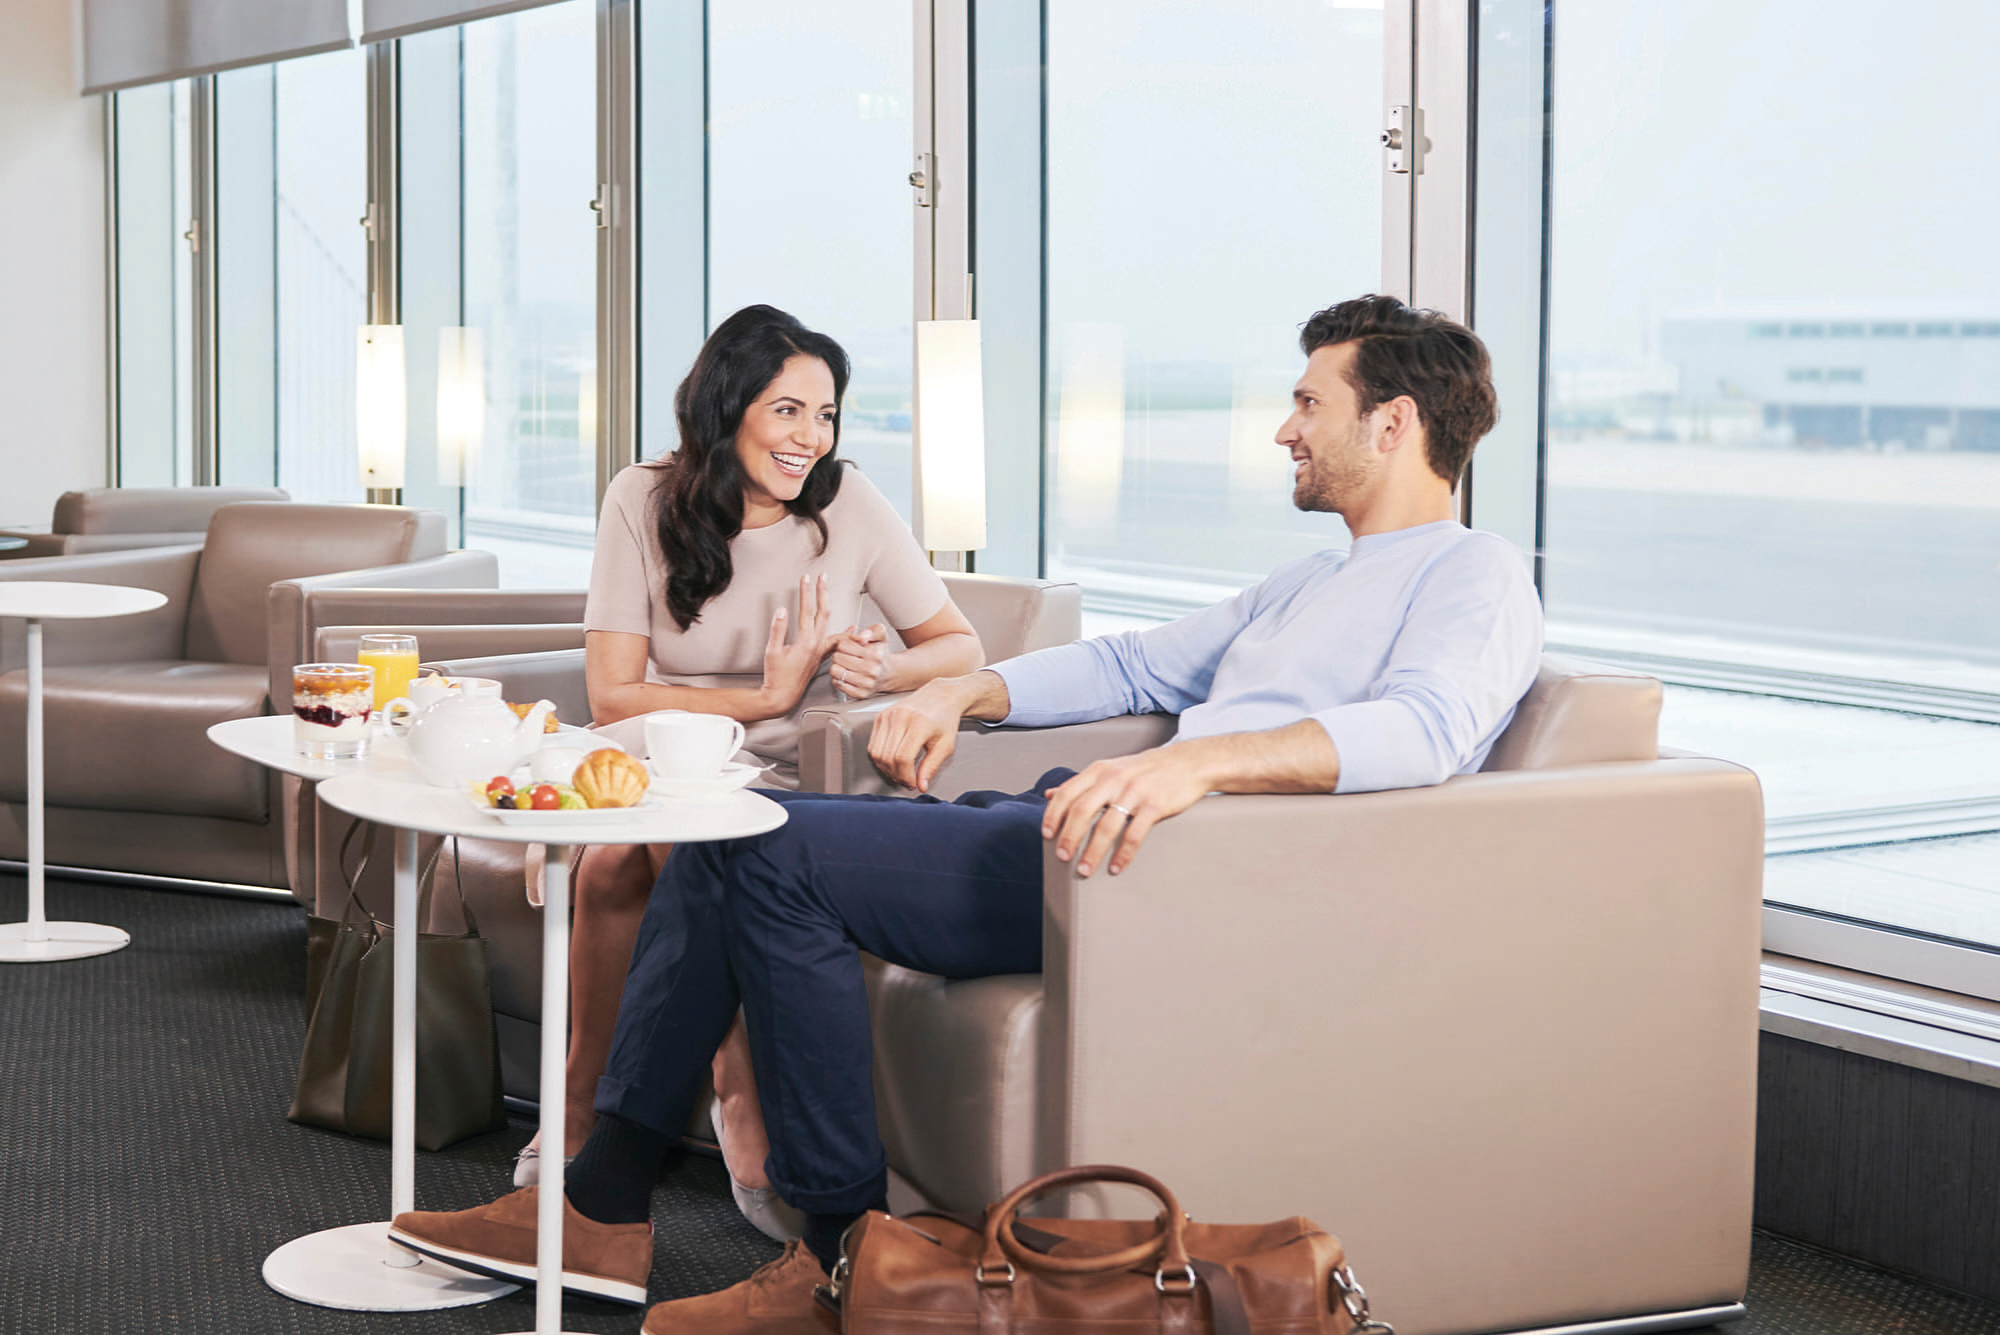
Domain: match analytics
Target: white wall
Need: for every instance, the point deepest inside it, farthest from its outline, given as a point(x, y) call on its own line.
point(52, 280)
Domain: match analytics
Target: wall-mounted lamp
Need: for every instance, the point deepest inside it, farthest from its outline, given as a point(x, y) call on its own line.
point(381, 411)
point(461, 404)
point(950, 422)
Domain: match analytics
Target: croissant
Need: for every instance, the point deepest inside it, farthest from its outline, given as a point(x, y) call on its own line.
point(549, 721)
point(610, 778)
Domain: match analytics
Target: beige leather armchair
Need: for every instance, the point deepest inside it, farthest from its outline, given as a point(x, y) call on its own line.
point(133, 784)
point(1499, 1035)
point(1013, 616)
point(111, 519)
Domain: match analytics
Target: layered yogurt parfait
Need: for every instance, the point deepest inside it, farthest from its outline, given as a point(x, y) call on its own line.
point(330, 707)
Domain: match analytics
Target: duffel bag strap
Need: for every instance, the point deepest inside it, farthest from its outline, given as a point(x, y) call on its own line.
point(1345, 1291)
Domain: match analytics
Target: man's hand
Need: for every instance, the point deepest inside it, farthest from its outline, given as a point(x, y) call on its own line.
point(1109, 808)
point(913, 738)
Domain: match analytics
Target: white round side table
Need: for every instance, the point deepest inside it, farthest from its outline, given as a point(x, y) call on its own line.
point(36, 601)
point(410, 807)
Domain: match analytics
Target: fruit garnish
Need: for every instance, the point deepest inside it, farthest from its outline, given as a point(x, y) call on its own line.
point(544, 797)
point(499, 784)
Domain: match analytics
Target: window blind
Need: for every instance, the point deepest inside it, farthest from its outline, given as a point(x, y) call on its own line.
point(384, 19)
point(127, 43)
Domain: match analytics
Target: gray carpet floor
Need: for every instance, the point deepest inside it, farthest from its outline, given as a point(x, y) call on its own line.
point(146, 1166)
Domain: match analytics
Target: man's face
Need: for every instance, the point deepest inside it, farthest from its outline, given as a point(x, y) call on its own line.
point(1328, 438)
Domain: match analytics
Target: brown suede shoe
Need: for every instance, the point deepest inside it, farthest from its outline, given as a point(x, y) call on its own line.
point(777, 1300)
point(609, 1261)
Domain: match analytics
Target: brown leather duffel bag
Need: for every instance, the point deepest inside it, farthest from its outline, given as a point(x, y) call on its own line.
point(936, 1274)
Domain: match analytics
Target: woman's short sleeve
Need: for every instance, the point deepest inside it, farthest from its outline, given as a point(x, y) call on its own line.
point(899, 579)
point(620, 596)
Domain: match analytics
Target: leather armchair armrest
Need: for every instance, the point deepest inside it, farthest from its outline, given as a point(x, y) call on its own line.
point(556, 676)
point(833, 749)
point(340, 644)
point(161, 633)
point(1561, 961)
point(289, 625)
point(39, 544)
point(349, 605)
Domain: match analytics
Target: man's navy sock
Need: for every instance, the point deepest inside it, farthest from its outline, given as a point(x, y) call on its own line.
point(613, 1176)
point(824, 1231)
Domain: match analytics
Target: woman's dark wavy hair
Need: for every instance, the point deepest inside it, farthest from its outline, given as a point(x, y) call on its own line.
point(699, 496)
point(1435, 360)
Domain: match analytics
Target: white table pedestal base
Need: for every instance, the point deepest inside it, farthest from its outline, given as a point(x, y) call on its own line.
point(357, 1269)
point(60, 941)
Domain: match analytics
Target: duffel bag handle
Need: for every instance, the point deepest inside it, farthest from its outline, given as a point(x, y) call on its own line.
point(1168, 1247)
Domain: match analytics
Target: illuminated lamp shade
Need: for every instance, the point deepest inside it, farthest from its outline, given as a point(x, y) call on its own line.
point(461, 404)
point(950, 437)
point(380, 406)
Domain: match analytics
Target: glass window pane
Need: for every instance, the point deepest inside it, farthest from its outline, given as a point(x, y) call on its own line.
point(530, 288)
point(154, 287)
point(1213, 178)
point(1774, 456)
point(291, 186)
point(321, 166)
point(809, 148)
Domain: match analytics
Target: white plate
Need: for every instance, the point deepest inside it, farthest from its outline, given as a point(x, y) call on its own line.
point(726, 780)
point(574, 816)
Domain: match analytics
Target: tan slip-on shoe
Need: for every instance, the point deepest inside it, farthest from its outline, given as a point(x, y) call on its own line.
point(608, 1261)
point(777, 1300)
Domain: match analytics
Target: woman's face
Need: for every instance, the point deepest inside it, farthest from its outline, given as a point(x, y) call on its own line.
point(785, 431)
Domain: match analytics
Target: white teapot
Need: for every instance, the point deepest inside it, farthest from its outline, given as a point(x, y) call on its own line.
point(464, 738)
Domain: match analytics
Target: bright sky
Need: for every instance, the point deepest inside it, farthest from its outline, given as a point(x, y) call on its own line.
point(1738, 152)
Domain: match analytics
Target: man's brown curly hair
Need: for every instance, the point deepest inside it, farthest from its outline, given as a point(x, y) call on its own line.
point(1439, 363)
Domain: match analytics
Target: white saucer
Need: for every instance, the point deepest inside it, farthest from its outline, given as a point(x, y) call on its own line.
point(726, 780)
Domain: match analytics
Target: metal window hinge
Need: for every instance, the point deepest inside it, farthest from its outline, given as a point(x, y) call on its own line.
point(367, 221)
point(193, 236)
point(924, 179)
point(1404, 140)
point(601, 206)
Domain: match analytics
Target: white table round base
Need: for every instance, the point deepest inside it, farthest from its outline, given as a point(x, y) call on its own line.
point(64, 941)
point(357, 1269)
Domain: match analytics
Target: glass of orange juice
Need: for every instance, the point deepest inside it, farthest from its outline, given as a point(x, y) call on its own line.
point(394, 658)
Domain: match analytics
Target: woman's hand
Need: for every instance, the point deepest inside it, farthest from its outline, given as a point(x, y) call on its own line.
point(862, 663)
point(789, 668)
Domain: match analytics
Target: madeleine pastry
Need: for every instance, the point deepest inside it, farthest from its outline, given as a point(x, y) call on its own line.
point(610, 778)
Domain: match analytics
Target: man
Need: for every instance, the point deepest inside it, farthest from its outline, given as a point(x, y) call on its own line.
point(1393, 665)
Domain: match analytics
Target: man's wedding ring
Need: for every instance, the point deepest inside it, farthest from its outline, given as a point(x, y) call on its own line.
point(1126, 812)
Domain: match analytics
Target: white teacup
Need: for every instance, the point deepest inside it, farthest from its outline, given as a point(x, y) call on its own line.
point(432, 687)
point(685, 747)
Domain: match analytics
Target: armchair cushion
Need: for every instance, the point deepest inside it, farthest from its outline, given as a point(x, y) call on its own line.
point(111, 519)
point(252, 546)
point(1580, 714)
point(158, 634)
point(150, 510)
point(131, 737)
point(956, 1080)
point(1018, 616)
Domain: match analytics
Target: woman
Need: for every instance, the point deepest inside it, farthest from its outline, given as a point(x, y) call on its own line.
point(727, 579)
